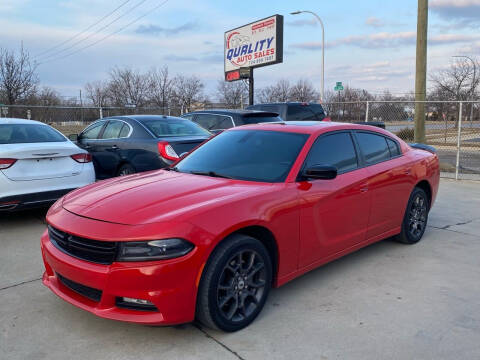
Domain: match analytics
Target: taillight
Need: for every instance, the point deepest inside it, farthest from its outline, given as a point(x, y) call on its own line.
point(166, 151)
point(82, 158)
point(6, 163)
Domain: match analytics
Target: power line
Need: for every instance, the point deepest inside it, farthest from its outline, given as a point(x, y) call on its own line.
point(92, 34)
point(83, 31)
point(109, 35)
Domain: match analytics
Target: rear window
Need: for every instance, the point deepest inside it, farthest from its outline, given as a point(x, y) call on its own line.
point(259, 119)
point(28, 133)
point(299, 112)
point(175, 127)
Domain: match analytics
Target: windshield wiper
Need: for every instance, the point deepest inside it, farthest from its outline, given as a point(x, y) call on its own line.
point(211, 173)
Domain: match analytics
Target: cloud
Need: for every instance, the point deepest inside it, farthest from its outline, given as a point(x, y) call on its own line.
point(158, 30)
point(464, 13)
point(303, 22)
point(388, 40)
point(374, 22)
point(203, 57)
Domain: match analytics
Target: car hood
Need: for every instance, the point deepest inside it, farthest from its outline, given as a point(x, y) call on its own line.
point(156, 196)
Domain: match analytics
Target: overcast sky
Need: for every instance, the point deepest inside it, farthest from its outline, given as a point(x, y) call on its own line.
point(370, 43)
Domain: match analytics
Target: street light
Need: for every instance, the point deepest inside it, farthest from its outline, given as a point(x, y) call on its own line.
point(473, 83)
point(323, 47)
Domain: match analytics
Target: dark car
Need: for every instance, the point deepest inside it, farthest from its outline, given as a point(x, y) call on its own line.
point(123, 145)
point(294, 111)
point(221, 119)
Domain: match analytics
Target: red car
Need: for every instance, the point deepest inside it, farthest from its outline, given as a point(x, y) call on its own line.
point(250, 209)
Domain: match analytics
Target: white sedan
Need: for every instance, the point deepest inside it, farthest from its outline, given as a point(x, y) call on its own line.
point(38, 164)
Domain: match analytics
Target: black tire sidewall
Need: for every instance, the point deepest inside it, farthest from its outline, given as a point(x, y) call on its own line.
point(405, 226)
point(246, 243)
point(126, 166)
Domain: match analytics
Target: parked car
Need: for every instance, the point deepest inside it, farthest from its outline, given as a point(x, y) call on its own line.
point(38, 164)
point(216, 121)
point(294, 111)
point(123, 145)
point(253, 207)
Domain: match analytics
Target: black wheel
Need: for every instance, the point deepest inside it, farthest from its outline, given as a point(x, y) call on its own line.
point(125, 169)
point(415, 219)
point(235, 284)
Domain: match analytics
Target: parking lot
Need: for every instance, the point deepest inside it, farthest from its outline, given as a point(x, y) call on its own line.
point(385, 301)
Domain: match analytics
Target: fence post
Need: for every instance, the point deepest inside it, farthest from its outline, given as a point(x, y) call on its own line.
point(366, 112)
point(101, 112)
point(459, 133)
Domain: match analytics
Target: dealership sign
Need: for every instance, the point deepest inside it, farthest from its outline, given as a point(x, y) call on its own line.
point(257, 44)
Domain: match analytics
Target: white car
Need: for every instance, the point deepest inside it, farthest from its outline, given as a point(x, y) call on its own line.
point(38, 164)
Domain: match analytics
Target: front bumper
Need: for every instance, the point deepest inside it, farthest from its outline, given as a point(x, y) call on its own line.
point(171, 285)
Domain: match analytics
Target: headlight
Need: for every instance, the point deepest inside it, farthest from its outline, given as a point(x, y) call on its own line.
point(153, 250)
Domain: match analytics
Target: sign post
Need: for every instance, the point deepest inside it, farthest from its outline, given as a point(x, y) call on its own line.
point(250, 46)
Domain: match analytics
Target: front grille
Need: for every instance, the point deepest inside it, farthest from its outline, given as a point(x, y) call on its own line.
point(100, 252)
point(88, 292)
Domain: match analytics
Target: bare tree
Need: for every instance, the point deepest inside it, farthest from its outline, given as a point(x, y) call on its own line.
point(232, 94)
point(304, 91)
point(128, 87)
point(456, 82)
point(278, 92)
point(161, 89)
point(18, 78)
point(97, 92)
point(188, 89)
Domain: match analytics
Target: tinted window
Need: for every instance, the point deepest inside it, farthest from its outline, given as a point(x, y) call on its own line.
point(174, 127)
point(266, 107)
point(336, 150)
point(392, 145)
point(187, 116)
point(213, 122)
point(254, 155)
point(28, 133)
point(374, 147)
point(92, 132)
point(125, 131)
point(112, 130)
point(259, 119)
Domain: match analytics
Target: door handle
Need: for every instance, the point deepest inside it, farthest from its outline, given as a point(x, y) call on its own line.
point(364, 188)
point(114, 147)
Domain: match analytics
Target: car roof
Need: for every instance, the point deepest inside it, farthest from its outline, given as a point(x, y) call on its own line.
point(141, 118)
point(230, 112)
point(310, 127)
point(287, 103)
point(19, 121)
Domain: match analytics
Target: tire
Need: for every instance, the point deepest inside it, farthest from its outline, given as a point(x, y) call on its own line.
point(239, 271)
point(415, 219)
point(126, 169)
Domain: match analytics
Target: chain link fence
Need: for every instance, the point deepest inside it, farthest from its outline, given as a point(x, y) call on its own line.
point(452, 127)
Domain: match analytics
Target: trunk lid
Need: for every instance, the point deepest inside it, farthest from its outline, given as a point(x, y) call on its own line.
point(40, 161)
point(184, 144)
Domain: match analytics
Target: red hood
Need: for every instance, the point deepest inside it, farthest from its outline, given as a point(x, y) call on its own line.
point(156, 196)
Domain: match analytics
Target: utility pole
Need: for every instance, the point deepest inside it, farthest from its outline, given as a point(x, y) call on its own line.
point(250, 88)
point(421, 71)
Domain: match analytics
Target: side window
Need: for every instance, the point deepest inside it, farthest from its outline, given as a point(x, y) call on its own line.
point(336, 150)
point(210, 121)
point(112, 130)
point(188, 116)
point(225, 122)
point(125, 131)
point(393, 146)
point(92, 132)
point(374, 147)
point(300, 112)
point(318, 110)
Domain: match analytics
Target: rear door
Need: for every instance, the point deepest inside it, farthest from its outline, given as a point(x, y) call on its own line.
point(108, 148)
point(388, 181)
point(88, 140)
point(334, 213)
point(41, 152)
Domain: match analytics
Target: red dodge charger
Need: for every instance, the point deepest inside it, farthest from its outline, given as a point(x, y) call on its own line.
point(250, 209)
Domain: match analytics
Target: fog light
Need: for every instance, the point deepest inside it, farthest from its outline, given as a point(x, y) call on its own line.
point(136, 301)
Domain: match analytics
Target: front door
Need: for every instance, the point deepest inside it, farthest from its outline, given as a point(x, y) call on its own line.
point(334, 213)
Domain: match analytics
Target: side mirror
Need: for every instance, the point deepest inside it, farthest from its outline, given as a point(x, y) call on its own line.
point(325, 172)
point(73, 137)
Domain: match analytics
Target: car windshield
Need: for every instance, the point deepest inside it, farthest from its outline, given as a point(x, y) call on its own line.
point(254, 155)
point(28, 133)
point(174, 127)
